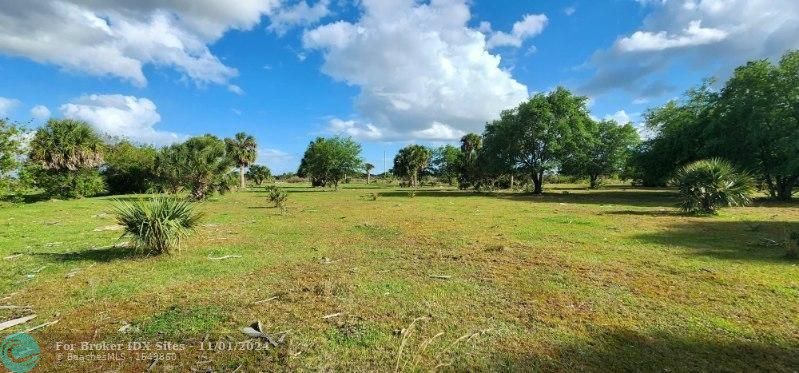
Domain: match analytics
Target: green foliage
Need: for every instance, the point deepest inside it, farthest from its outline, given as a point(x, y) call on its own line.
point(199, 165)
point(66, 144)
point(537, 136)
point(707, 185)
point(10, 152)
point(242, 150)
point(258, 174)
point(130, 168)
point(469, 173)
point(327, 161)
point(64, 159)
point(66, 184)
point(445, 163)
point(277, 196)
point(604, 152)
point(753, 122)
point(157, 225)
point(410, 161)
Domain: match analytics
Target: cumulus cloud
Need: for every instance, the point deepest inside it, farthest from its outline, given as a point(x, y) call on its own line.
point(720, 34)
point(277, 160)
point(620, 117)
point(6, 105)
point(40, 112)
point(119, 37)
point(121, 116)
point(300, 14)
point(530, 26)
point(420, 69)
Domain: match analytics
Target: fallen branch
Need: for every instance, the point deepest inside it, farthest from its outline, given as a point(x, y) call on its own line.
point(13, 256)
point(265, 300)
point(332, 315)
point(224, 257)
point(42, 326)
point(13, 307)
point(15, 322)
point(441, 277)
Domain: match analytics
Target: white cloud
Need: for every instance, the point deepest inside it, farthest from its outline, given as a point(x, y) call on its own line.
point(301, 14)
point(569, 11)
point(235, 89)
point(6, 105)
point(277, 160)
point(621, 117)
point(416, 65)
point(351, 128)
point(693, 35)
point(121, 116)
point(40, 112)
point(439, 132)
point(119, 37)
point(530, 26)
point(721, 34)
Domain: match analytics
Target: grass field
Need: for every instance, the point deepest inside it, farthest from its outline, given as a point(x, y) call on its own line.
point(603, 280)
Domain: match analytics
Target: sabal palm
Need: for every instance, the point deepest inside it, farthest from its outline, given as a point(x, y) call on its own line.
point(242, 150)
point(66, 144)
point(369, 167)
point(708, 184)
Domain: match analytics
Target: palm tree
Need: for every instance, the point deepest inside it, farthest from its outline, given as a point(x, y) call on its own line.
point(708, 184)
point(369, 167)
point(242, 149)
point(66, 145)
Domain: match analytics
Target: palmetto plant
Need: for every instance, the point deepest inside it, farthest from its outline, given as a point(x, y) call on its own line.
point(277, 196)
point(157, 225)
point(242, 150)
point(709, 184)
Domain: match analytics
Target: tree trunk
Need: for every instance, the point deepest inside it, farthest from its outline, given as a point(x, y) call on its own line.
point(368, 177)
point(511, 182)
point(241, 177)
point(593, 181)
point(538, 181)
point(785, 187)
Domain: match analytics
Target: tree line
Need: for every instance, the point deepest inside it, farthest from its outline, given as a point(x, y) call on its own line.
point(67, 159)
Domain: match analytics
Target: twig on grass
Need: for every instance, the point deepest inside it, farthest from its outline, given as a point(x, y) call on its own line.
point(332, 315)
point(15, 322)
point(224, 257)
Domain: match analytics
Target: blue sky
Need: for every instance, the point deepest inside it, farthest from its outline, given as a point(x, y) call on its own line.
point(387, 72)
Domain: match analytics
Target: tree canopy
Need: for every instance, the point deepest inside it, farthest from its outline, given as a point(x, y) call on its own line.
point(327, 161)
point(242, 150)
point(537, 136)
point(604, 151)
point(200, 165)
point(259, 173)
point(410, 161)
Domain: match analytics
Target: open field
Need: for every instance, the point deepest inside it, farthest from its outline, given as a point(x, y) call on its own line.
point(613, 279)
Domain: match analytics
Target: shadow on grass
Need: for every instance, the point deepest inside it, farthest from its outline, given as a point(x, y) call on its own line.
point(736, 240)
point(102, 255)
point(639, 198)
point(630, 351)
point(659, 213)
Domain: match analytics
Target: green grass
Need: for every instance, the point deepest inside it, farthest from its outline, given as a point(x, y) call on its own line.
point(614, 279)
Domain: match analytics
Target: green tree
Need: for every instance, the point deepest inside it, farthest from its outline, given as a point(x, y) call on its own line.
point(10, 152)
point(200, 165)
point(756, 123)
point(604, 151)
point(242, 150)
point(410, 161)
point(677, 138)
point(259, 173)
point(446, 163)
point(327, 161)
point(65, 155)
point(129, 168)
point(469, 163)
point(537, 135)
point(368, 167)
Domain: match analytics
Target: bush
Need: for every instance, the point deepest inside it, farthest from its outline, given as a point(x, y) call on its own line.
point(156, 226)
point(277, 196)
point(130, 168)
point(707, 185)
point(67, 184)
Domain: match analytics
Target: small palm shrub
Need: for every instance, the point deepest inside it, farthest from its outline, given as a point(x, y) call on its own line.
point(709, 184)
point(277, 196)
point(157, 225)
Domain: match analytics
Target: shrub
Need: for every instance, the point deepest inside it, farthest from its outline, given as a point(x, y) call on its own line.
point(129, 168)
point(66, 184)
point(709, 184)
point(277, 196)
point(158, 225)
